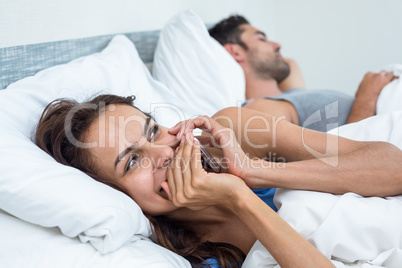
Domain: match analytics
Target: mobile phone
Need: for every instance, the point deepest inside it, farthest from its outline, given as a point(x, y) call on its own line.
point(208, 162)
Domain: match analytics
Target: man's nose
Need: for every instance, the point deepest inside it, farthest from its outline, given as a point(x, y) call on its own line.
point(275, 46)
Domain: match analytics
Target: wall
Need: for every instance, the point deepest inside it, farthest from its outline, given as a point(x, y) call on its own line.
point(28, 21)
point(334, 42)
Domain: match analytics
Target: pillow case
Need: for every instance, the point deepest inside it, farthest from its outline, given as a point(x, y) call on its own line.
point(37, 189)
point(27, 245)
point(202, 74)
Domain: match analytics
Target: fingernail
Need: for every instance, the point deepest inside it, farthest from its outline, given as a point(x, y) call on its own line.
point(178, 135)
point(177, 149)
point(174, 127)
point(183, 138)
point(188, 136)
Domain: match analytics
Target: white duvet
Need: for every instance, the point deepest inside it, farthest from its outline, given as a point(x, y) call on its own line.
point(350, 230)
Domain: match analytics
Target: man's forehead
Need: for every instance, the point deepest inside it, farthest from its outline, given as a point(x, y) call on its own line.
point(251, 30)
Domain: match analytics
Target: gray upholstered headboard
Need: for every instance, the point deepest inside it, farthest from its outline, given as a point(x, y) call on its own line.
point(22, 61)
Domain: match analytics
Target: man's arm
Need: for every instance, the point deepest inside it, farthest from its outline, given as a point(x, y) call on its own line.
point(312, 160)
point(367, 95)
point(295, 78)
point(371, 170)
point(277, 108)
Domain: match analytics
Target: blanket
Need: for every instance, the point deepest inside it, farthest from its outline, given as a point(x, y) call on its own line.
point(348, 229)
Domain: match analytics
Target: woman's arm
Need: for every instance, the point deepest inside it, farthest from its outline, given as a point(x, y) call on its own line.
point(287, 246)
point(192, 187)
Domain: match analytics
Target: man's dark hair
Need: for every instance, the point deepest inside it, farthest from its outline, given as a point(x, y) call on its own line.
point(228, 30)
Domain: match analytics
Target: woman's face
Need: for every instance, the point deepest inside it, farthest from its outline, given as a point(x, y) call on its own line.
point(132, 152)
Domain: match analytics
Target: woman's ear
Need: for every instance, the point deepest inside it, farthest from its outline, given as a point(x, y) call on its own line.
point(237, 52)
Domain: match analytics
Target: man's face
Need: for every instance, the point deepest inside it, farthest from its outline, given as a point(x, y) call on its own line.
point(263, 55)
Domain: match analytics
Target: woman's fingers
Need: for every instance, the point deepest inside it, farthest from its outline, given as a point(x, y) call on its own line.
point(179, 172)
point(171, 183)
point(221, 136)
point(177, 179)
point(196, 164)
point(191, 186)
point(185, 162)
point(203, 122)
point(176, 128)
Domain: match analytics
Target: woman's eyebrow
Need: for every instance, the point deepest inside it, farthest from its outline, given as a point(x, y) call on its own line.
point(132, 147)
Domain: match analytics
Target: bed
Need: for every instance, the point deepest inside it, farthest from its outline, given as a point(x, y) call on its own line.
point(52, 215)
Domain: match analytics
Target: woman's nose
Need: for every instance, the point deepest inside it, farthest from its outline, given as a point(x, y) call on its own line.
point(164, 156)
point(164, 148)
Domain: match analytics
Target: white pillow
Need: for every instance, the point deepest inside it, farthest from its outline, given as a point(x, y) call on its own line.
point(33, 186)
point(46, 247)
point(202, 74)
point(390, 97)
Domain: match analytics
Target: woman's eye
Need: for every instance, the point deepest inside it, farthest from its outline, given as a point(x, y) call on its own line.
point(153, 132)
point(132, 161)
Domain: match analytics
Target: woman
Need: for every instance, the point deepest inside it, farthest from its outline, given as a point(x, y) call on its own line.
point(207, 216)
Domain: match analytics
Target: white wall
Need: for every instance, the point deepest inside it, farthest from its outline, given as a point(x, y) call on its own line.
point(334, 41)
point(28, 21)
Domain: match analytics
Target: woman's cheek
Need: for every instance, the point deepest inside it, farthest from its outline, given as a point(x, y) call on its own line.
point(139, 185)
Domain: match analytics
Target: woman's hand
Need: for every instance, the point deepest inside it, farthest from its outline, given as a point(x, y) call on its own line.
point(234, 161)
point(191, 186)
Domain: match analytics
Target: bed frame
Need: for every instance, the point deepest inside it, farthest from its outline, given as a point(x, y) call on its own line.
point(22, 61)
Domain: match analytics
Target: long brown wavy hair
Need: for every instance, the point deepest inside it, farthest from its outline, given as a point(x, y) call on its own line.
point(64, 121)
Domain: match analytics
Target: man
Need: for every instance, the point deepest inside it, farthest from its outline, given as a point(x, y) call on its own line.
point(274, 83)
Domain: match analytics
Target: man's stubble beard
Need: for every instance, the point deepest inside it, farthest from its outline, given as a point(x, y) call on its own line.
point(269, 68)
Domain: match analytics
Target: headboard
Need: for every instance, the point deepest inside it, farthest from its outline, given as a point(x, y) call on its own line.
point(22, 61)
